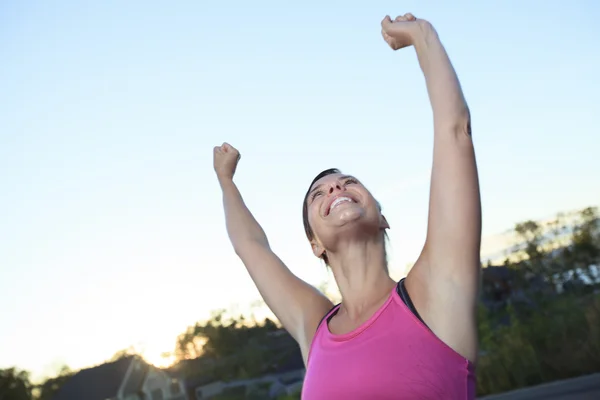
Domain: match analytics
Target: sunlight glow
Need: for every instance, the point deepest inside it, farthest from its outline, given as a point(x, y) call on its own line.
point(159, 359)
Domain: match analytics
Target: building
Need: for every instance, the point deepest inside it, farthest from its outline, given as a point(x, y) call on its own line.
point(129, 378)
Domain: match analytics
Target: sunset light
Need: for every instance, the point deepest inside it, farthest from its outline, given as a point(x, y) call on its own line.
point(160, 233)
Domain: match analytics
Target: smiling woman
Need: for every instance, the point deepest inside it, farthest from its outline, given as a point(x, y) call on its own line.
point(410, 339)
point(316, 190)
point(329, 184)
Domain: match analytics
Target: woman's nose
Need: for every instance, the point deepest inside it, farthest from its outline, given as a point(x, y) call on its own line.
point(335, 187)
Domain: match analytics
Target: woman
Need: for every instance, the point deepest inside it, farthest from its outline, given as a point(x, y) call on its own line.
point(415, 339)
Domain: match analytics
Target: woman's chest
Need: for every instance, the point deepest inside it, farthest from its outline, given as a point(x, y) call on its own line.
point(381, 369)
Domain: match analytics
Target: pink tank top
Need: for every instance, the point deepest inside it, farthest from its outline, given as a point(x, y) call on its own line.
point(391, 356)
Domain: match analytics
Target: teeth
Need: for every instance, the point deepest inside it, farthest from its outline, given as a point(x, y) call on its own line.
point(338, 201)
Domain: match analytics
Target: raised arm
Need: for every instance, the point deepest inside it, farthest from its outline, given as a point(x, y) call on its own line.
point(447, 272)
point(454, 228)
point(298, 305)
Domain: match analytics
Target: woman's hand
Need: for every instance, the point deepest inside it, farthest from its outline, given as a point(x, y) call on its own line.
point(225, 160)
point(400, 32)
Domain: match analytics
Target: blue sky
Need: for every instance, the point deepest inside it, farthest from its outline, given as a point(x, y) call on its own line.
point(111, 229)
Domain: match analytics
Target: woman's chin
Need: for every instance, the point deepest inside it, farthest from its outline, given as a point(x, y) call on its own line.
point(347, 215)
point(355, 219)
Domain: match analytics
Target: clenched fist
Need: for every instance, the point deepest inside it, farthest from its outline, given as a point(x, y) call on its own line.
point(225, 160)
point(400, 32)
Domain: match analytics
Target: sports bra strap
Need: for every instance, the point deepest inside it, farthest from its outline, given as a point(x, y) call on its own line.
point(402, 292)
point(401, 289)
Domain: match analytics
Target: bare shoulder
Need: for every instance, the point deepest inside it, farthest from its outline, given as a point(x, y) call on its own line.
point(447, 306)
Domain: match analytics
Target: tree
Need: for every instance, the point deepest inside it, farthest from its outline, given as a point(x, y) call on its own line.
point(530, 232)
point(231, 347)
point(130, 351)
point(15, 385)
point(586, 242)
point(221, 336)
point(541, 250)
point(50, 387)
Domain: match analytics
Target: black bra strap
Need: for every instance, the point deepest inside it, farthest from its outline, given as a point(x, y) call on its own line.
point(402, 292)
point(330, 316)
point(401, 289)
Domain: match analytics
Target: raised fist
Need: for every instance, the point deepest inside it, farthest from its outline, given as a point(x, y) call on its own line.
point(225, 160)
point(399, 33)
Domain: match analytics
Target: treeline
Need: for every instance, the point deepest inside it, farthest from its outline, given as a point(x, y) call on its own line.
point(539, 320)
point(15, 384)
point(233, 347)
point(539, 315)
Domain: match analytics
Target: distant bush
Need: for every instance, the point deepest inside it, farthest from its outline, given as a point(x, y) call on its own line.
point(295, 396)
point(548, 325)
point(559, 341)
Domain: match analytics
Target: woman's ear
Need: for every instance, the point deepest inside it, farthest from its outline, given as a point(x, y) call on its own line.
point(317, 249)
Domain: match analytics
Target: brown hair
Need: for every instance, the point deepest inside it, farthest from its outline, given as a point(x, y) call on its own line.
point(307, 229)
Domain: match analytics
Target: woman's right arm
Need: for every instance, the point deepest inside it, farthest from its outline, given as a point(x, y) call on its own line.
point(298, 305)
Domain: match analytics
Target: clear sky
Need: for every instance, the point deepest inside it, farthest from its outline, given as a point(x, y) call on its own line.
point(111, 228)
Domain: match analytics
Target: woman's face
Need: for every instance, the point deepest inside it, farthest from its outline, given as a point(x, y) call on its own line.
point(340, 206)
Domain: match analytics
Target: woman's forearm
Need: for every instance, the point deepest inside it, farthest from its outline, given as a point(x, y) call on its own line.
point(445, 94)
point(242, 228)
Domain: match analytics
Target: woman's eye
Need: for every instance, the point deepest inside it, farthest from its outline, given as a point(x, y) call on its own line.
point(349, 181)
point(315, 194)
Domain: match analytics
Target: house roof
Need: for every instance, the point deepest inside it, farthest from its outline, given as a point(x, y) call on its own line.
point(98, 383)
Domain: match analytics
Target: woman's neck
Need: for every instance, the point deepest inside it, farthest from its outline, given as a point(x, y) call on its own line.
point(360, 271)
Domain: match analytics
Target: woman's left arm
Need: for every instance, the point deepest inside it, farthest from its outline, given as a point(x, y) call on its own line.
point(444, 281)
point(454, 227)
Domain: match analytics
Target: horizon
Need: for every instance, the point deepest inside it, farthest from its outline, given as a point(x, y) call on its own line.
point(112, 225)
point(258, 312)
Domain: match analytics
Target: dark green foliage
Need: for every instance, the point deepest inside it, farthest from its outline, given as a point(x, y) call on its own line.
point(15, 385)
point(541, 333)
